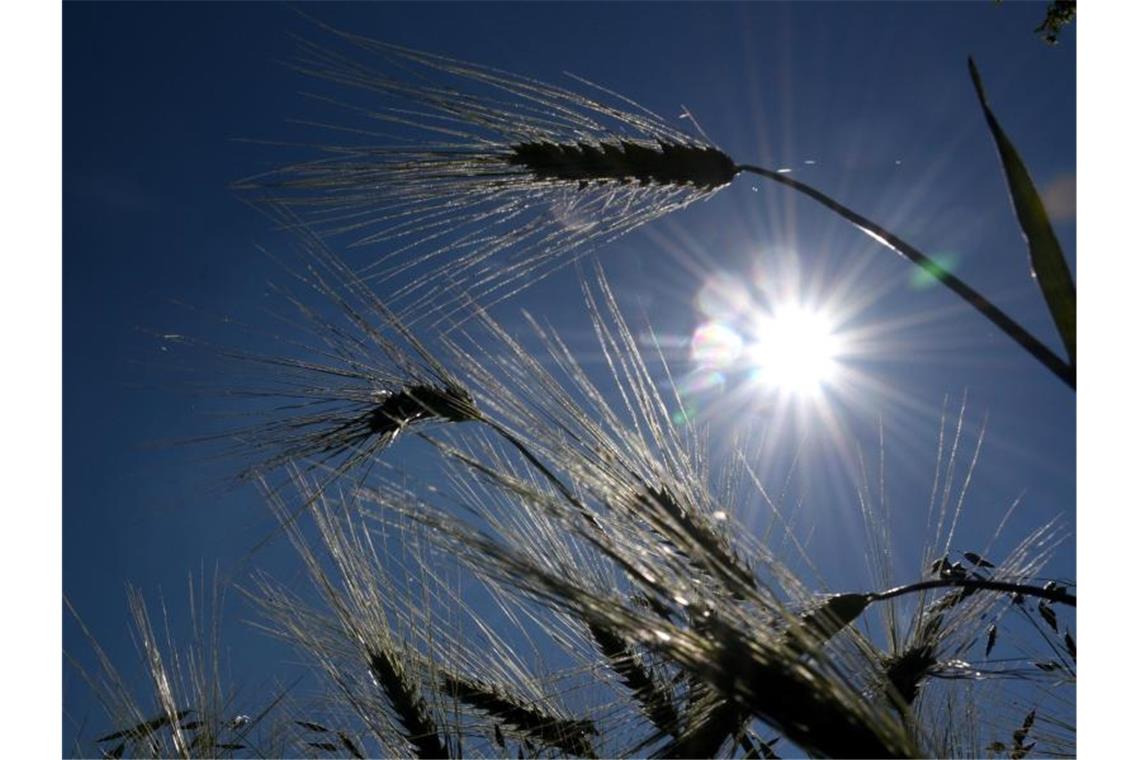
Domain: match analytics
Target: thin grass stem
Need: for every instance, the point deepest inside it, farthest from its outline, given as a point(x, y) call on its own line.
point(979, 584)
point(1058, 366)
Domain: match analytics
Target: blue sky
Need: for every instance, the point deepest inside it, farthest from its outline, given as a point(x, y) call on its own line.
point(870, 103)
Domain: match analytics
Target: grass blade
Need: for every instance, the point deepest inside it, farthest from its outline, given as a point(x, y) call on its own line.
point(1046, 260)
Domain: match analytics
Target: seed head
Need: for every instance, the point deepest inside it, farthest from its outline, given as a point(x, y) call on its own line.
point(488, 181)
point(343, 396)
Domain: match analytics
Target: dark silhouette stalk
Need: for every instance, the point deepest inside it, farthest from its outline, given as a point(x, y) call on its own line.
point(979, 584)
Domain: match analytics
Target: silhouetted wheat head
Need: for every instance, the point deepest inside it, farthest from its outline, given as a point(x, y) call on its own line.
point(487, 180)
point(340, 385)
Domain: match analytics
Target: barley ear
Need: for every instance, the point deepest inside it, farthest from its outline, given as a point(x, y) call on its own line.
point(420, 729)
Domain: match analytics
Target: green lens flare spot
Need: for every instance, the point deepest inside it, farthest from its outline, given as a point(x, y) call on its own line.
point(927, 275)
point(683, 416)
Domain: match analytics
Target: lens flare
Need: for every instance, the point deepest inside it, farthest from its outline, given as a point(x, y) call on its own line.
point(716, 345)
point(925, 277)
point(723, 298)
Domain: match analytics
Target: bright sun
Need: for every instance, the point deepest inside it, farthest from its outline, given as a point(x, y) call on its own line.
point(786, 347)
point(793, 349)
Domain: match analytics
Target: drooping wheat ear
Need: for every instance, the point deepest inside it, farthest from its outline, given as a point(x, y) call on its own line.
point(907, 670)
point(358, 430)
point(571, 736)
point(483, 180)
point(377, 424)
point(408, 706)
point(626, 161)
point(654, 697)
point(343, 384)
point(418, 402)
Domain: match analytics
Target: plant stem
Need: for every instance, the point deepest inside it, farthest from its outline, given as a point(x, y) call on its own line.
point(550, 476)
point(1058, 366)
point(1053, 595)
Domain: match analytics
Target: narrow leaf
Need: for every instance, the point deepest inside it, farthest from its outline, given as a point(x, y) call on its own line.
point(991, 639)
point(1047, 262)
point(1047, 614)
point(833, 615)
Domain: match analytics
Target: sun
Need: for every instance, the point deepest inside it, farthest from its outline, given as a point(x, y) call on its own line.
point(789, 349)
point(793, 349)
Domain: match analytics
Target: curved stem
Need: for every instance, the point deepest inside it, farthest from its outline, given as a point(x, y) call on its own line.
point(981, 584)
point(1058, 366)
point(554, 480)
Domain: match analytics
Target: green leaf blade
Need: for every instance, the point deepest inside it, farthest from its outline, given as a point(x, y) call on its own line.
point(1047, 262)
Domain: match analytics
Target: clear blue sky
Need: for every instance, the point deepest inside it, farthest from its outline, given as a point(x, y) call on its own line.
point(871, 103)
